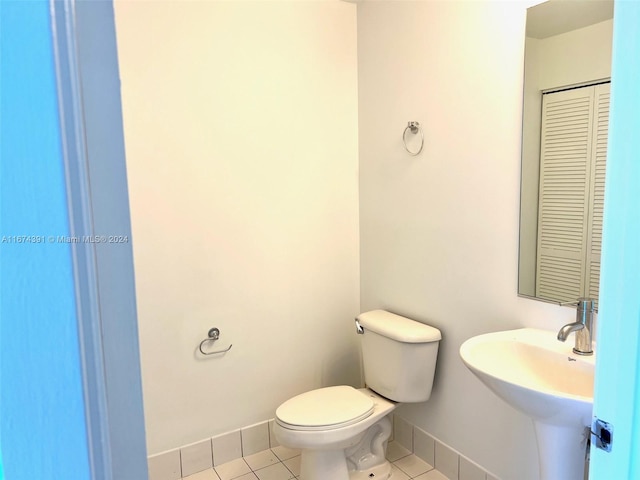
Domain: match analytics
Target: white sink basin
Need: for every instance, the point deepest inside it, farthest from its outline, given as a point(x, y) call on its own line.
point(537, 374)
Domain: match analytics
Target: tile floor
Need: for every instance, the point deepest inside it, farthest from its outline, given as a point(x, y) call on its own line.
point(280, 463)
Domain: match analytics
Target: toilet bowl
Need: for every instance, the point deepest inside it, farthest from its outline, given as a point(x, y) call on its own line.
point(324, 434)
point(342, 431)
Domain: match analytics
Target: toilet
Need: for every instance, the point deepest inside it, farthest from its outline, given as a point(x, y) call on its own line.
point(341, 431)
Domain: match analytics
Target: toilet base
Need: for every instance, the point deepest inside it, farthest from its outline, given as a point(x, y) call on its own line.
point(325, 464)
point(364, 459)
point(379, 472)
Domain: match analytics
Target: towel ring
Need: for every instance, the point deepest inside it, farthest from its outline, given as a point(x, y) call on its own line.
point(212, 336)
point(415, 128)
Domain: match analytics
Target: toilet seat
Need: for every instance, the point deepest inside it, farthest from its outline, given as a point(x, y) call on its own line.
point(325, 409)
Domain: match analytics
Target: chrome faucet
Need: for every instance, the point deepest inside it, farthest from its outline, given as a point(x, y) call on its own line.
point(583, 326)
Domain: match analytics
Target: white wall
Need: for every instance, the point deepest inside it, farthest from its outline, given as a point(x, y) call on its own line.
point(577, 56)
point(530, 169)
point(241, 140)
point(439, 232)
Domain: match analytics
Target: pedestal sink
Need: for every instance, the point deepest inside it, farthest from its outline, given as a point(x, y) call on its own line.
point(541, 377)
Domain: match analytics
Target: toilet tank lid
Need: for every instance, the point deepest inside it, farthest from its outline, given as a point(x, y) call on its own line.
point(398, 328)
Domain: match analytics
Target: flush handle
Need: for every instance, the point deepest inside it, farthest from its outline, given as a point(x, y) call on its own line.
point(359, 329)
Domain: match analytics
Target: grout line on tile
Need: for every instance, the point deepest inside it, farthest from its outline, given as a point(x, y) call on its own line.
point(213, 463)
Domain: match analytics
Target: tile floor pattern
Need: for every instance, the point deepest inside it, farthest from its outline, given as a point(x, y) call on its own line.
point(280, 463)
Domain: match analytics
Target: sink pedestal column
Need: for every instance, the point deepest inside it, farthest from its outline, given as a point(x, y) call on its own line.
point(561, 451)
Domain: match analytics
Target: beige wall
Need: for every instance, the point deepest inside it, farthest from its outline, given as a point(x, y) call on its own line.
point(241, 140)
point(439, 232)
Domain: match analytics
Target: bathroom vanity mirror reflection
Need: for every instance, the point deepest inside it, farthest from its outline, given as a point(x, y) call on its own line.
point(565, 124)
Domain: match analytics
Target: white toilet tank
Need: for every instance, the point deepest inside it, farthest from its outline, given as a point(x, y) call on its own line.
point(399, 355)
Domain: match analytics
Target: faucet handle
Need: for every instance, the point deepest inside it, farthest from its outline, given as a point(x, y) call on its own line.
point(583, 302)
point(573, 303)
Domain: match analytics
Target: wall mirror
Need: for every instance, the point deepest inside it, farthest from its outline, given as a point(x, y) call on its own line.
point(565, 128)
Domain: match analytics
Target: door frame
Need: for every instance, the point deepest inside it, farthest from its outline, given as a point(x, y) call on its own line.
point(85, 54)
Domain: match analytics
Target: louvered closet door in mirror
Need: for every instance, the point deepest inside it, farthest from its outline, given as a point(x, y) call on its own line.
point(599, 161)
point(570, 146)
